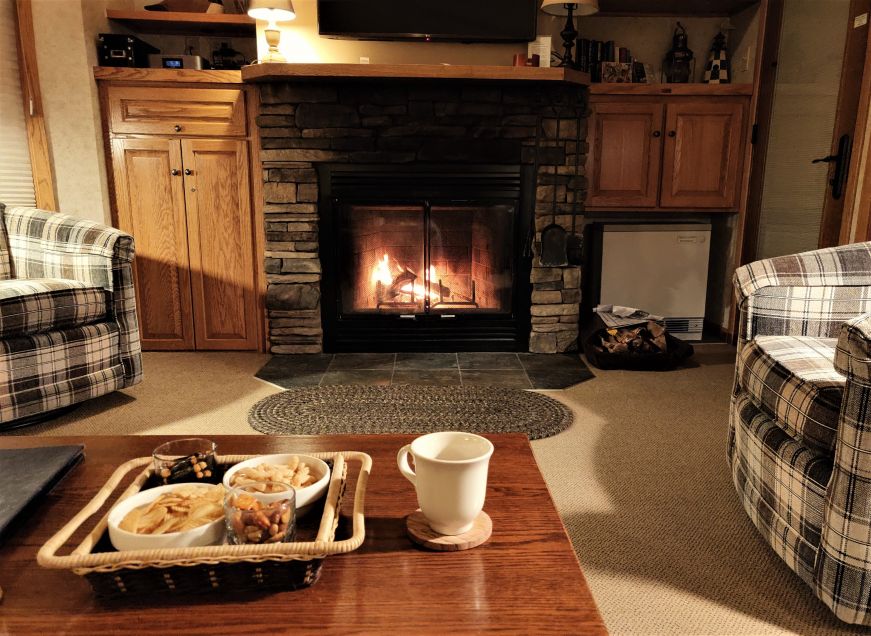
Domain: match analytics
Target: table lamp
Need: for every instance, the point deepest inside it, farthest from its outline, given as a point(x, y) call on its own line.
point(569, 32)
point(272, 11)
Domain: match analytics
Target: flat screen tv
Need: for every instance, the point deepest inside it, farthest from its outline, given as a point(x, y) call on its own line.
point(436, 20)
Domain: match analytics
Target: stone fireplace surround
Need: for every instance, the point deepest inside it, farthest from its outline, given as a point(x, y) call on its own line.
point(306, 122)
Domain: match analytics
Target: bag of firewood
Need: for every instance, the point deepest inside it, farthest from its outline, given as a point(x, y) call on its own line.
point(645, 347)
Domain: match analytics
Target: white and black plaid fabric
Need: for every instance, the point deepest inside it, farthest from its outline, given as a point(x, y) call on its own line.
point(782, 485)
point(5, 259)
point(51, 370)
point(793, 380)
point(39, 305)
point(51, 356)
point(804, 477)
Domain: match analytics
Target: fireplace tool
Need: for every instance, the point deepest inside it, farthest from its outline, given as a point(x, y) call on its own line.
point(553, 237)
point(558, 248)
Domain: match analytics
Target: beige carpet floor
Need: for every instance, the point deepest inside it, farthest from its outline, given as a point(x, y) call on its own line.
point(640, 480)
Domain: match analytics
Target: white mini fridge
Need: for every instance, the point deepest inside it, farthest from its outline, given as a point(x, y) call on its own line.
point(662, 269)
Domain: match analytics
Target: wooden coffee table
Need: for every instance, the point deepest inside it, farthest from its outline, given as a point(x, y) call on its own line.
point(525, 579)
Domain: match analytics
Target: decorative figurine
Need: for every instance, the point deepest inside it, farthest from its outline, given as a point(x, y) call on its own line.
point(679, 63)
point(718, 69)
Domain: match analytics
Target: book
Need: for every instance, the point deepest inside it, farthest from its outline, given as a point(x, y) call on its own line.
point(27, 474)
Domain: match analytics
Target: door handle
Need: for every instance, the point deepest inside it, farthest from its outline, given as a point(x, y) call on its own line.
point(188, 171)
point(174, 172)
point(656, 133)
point(842, 165)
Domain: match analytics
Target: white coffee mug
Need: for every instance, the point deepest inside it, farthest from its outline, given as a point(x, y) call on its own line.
point(450, 477)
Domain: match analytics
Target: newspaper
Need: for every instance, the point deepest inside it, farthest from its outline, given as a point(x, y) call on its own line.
point(619, 316)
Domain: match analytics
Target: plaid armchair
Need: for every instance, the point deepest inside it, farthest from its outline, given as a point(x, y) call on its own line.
point(68, 327)
point(800, 426)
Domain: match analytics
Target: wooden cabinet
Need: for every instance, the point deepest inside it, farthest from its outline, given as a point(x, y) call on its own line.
point(144, 181)
point(702, 155)
point(665, 153)
point(219, 239)
point(211, 112)
point(625, 163)
point(187, 204)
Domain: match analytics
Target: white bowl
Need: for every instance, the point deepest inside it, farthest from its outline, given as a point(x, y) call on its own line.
point(211, 533)
point(305, 497)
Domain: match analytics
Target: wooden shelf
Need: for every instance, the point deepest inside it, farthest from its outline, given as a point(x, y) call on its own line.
point(175, 22)
point(280, 72)
point(671, 89)
point(127, 74)
point(679, 8)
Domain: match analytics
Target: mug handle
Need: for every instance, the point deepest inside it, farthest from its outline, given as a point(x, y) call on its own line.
point(402, 462)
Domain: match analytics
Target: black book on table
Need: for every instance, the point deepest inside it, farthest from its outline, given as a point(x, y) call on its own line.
point(27, 474)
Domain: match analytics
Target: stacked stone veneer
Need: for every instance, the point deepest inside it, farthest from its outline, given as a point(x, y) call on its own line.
point(399, 121)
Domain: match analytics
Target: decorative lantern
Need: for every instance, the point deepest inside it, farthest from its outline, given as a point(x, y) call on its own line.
point(718, 69)
point(679, 63)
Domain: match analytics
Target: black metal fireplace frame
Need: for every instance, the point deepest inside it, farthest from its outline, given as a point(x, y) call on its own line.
point(425, 184)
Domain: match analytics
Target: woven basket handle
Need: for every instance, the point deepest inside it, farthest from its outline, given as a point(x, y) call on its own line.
point(47, 554)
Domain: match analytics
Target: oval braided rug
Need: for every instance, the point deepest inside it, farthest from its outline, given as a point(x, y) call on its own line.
point(360, 409)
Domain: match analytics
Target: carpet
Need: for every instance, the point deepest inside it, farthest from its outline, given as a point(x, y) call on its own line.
point(360, 409)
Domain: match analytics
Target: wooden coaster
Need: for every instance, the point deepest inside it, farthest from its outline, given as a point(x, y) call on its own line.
point(420, 532)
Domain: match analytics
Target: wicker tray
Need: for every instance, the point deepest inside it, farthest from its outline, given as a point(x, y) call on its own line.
point(239, 568)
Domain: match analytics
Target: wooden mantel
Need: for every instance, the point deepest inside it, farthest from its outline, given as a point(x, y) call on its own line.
point(275, 72)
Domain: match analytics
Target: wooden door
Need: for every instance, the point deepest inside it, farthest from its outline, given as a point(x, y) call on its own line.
point(624, 162)
point(221, 243)
point(149, 196)
point(702, 153)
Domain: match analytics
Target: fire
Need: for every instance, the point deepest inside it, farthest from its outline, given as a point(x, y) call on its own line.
point(381, 272)
point(384, 274)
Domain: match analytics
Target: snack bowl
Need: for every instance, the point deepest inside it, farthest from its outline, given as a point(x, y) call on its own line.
point(211, 533)
point(305, 497)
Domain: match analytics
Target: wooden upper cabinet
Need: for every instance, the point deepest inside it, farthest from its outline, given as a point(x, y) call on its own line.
point(624, 161)
point(150, 202)
point(702, 154)
point(214, 112)
point(220, 238)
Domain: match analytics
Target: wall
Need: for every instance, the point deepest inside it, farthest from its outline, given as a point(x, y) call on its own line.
point(300, 42)
point(64, 30)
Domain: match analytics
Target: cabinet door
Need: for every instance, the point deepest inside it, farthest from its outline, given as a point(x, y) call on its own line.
point(702, 156)
point(624, 161)
point(221, 243)
point(151, 207)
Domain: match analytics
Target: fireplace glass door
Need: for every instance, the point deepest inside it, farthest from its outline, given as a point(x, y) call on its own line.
point(427, 258)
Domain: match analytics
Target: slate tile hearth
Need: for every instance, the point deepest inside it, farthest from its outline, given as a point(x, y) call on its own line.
point(516, 370)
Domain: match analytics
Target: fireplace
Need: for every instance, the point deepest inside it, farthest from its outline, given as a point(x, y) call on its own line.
point(451, 181)
point(425, 258)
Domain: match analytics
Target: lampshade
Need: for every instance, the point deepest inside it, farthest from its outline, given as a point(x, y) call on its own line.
point(558, 7)
point(271, 10)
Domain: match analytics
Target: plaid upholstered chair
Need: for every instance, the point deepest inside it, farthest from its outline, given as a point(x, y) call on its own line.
point(800, 419)
point(68, 328)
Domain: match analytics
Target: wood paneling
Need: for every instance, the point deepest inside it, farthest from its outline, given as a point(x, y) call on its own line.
point(175, 75)
point(687, 90)
point(34, 117)
point(177, 111)
point(525, 580)
point(151, 207)
point(702, 154)
point(220, 239)
point(624, 162)
point(282, 72)
point(184, 23)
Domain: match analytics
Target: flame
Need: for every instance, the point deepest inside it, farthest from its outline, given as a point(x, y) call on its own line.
point(381, 273)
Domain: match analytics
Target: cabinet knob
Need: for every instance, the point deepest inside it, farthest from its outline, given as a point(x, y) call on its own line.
point(188, 171)
point(177, 128)
point(657, 133)
point(174, 172)
point(672, 133)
